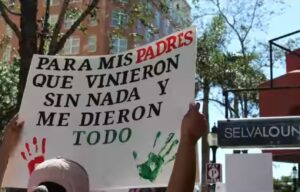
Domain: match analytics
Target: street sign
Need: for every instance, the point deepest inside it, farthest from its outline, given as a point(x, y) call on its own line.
point(259, 132)
point(213, 173)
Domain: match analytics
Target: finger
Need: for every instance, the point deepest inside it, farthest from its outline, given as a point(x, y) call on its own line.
point(190, 109)
point(197, 106)
point(15, 117)
point(19, 126)
point(12, 121)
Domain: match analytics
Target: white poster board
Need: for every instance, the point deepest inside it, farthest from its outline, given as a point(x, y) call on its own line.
point(118, 116)
point(220, 187)
point(249, 173)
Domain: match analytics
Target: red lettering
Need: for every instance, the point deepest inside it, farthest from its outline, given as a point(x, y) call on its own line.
point(171, 43)
point(140, 55)
point(165, 46)
point(150, 53)
point(159, 45)
point(189, 37)
point(180, 37)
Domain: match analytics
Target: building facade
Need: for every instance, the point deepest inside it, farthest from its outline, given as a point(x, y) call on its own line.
point(112, 14)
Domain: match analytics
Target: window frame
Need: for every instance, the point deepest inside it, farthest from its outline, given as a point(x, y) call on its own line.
point(148, 36)
point(158, 19)
point(94, 43)
point(119, 42)
point(75, 1)
point(122, 1)
point(69, 21)
point(70, 44)
point(119, 19)
point(139, 27)
point(51, 18)
point(51, 3)
point(93, 21)
point(166, 27)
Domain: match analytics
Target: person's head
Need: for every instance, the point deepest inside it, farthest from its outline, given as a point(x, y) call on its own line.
point(59, 175)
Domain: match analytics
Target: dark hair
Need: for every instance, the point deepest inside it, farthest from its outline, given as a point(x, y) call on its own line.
point(50, 187)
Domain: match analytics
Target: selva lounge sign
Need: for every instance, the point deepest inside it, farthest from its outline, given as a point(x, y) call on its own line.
point(265, 132)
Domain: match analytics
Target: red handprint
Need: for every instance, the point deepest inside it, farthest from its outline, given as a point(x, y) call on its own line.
point(36, 157)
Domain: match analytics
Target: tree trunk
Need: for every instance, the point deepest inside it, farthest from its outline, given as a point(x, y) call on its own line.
point(205, 147)
point(28, 46)
point(245, 112)
point(236, 105)
point(28, 42)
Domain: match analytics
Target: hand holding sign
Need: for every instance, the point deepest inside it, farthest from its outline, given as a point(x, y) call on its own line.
point(11, 139)
point(194, 125)
point(12, 134)
point(96, 110)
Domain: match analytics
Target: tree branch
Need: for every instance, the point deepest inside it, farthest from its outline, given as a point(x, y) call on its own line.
point(57, 27)
point(220, 103)
point(228, 22)
point(75, 25)
point(45, 28)
point(252, 20)
point(8, 10)
point(9, 22)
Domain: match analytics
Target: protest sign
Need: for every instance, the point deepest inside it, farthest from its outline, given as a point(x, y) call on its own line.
point(118, 116)
point(249, 172)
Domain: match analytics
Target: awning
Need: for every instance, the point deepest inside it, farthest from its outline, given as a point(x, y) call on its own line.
point(288, 156)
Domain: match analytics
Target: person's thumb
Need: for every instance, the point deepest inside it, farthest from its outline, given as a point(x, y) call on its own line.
point(198, 106)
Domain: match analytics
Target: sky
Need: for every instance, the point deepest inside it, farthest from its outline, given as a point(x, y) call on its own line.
point(278, 25)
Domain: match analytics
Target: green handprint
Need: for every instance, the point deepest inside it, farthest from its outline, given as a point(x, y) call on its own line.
point(150, 169)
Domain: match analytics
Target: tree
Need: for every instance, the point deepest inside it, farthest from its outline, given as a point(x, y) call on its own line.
point(33, 33)
point(209, 53)
point(241, 24)
point(284, 184)
point(8, 88)
point(242, 18)
point(222, 68)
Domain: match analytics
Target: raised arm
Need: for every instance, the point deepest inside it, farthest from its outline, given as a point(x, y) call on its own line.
point(11, 138)
point(194, 126)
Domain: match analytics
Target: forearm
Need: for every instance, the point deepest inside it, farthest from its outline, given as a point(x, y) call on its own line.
point(4, 156)
point(184, 171)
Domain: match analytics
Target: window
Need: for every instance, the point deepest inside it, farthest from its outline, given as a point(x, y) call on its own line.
point(119, 18)
point(68, 22)
point(149, 6)
point(156, 37)
point(93, 20)
point(157, 18)
point(11, 4)
point(75, 1)
point(119, 45)
point(7, 53)
point(72, 46)
point(52, 2)
point(170, 29)
point(166, 27)
point(148, 36)
point(92, 43)
point(122, 1)
point(139, 27)
point(52, 20)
